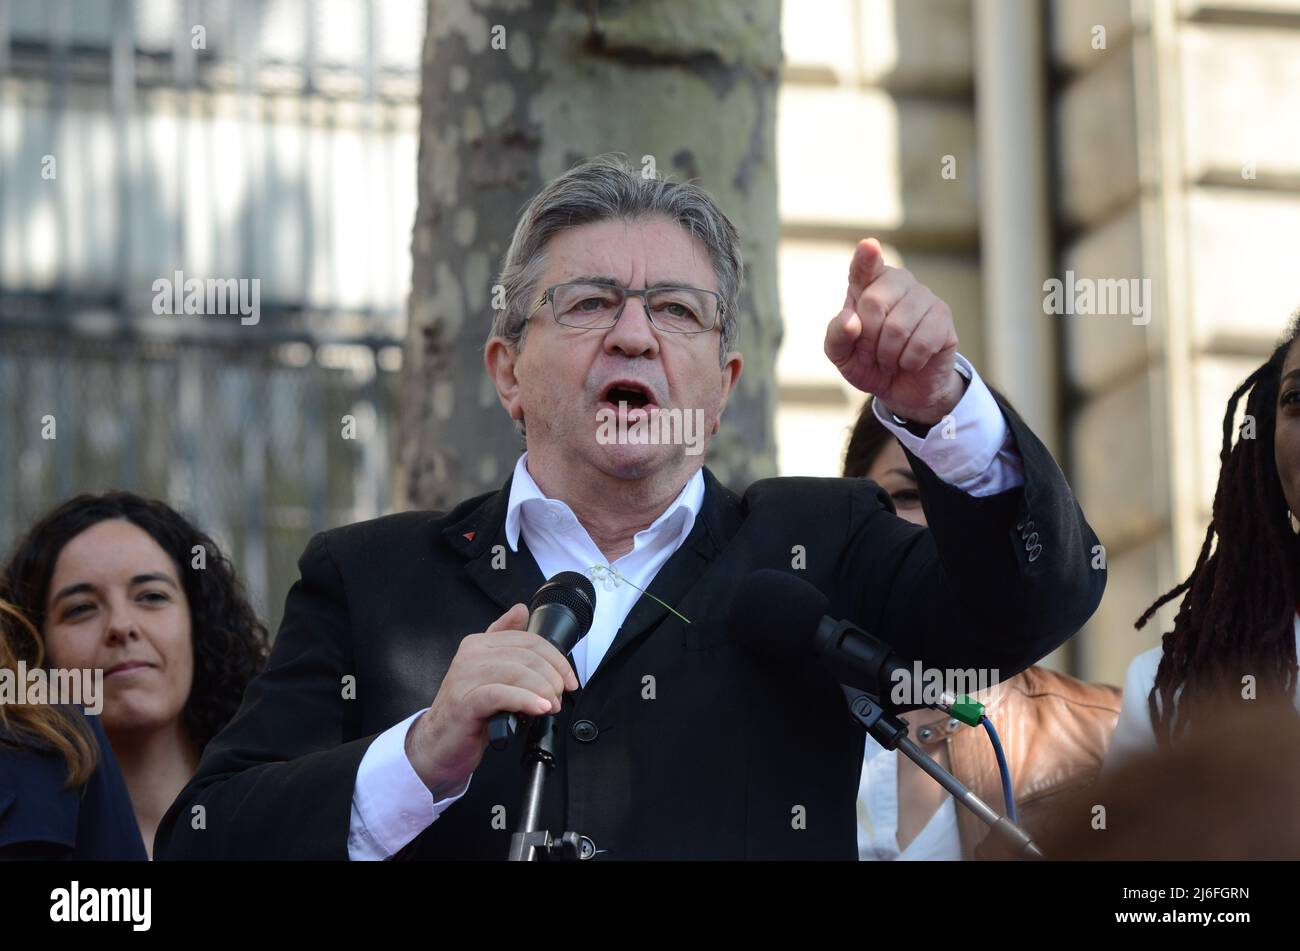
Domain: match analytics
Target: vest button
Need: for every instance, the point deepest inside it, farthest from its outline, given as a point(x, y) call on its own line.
point(584, 731)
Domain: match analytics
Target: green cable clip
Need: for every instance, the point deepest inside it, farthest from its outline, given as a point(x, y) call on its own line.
point(968, 711)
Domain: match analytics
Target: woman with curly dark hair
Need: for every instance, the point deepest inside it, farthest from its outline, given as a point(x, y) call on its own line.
point(1236, 631)
point(126, 585)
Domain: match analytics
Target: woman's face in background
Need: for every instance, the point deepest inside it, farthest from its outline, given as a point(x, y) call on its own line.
point(1286, 431)
point(116, 603)
point(893, 473)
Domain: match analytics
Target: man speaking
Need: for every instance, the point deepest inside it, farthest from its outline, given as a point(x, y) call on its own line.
point(367, 735)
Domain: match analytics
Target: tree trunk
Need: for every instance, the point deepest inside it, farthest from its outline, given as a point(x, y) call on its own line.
point(513, 95)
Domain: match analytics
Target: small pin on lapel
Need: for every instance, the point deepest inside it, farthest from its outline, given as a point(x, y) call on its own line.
point(469, 536)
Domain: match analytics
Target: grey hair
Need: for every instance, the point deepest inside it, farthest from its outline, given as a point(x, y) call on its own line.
point(603, 188)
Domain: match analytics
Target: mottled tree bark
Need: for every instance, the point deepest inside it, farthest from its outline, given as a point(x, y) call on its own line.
point(689, 83)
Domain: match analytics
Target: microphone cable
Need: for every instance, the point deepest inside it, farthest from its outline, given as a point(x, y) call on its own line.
point(1008, 799)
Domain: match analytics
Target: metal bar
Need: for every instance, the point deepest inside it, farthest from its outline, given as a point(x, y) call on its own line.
point(255, 568)
point(60, 13)
point(131, 413)
point(123, 96)
point(316, 427)
point(4, 99)
point(9, 457)
point(248, 107)
point(308, 232)
point(183, 69)
point(4, 38)
point(368, 135)
point(374, 448)
point(65, 419)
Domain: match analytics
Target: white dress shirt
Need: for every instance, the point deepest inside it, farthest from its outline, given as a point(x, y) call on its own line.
point(558, 542)
point(1135, 734)
point(878, 815)
point(391, 805)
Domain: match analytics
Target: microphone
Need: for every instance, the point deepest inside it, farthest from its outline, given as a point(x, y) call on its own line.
point(561, 612)
point(782, 617)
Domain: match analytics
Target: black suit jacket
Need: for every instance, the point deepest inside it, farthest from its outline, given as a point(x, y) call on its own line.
point(732, 758)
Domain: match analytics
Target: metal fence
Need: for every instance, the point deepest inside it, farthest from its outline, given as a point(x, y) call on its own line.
point(260, 446)
point(227, 140)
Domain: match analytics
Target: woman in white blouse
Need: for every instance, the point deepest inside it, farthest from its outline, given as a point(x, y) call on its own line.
point(1236, 633)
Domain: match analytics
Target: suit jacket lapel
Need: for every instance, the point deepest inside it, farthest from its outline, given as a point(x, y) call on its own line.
point(718, 520)
point(477, 535)
point(484, 527)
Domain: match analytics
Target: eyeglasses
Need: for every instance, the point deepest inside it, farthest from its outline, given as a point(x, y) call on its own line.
point(673, 310)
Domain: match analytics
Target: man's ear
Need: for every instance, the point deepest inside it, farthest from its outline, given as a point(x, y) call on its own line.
point(501, 359)
point(731, 368)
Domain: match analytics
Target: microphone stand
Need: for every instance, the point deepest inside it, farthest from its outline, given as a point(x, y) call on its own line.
point(891, 733)
point(529, 843)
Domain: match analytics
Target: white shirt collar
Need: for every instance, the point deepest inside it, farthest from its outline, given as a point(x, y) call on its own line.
point(678, 518)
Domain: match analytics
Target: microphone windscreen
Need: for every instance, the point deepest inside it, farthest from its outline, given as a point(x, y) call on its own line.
point(776, 614)
point(572, 589)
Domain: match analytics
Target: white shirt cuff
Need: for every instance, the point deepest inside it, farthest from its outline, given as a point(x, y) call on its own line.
point(971, 448)
point(391, 805)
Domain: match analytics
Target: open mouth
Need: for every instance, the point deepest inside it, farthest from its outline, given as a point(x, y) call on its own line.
point(635, 395)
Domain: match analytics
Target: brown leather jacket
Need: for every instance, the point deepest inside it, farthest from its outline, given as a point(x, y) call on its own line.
point(1054, 731)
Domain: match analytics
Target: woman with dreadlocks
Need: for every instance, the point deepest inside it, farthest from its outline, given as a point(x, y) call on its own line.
point(1236, 631)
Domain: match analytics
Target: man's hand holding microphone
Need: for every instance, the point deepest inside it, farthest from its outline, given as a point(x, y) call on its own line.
point(504, 669)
